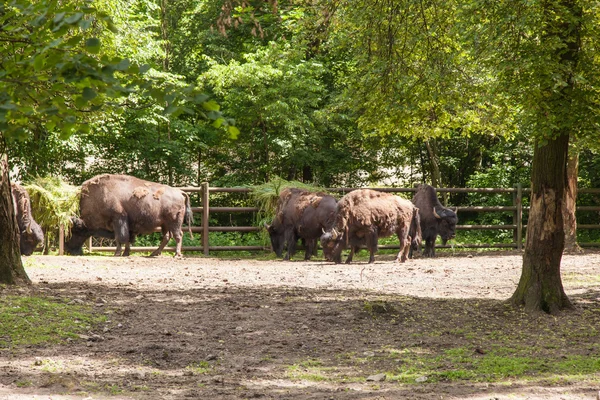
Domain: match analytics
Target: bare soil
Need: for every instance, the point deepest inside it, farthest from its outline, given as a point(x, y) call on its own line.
point(209, 328)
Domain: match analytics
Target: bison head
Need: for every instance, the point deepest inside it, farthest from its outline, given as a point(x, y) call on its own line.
point(30, 238)
point(332, 243)
point(277, 235)
point(447, 220)
point(79, 234)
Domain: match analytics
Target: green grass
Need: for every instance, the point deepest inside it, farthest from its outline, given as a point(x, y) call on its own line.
point(199, 368)
point(32, 320)
point(463, 364)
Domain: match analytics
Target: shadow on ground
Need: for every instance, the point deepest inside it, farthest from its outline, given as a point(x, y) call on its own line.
point(295, 343)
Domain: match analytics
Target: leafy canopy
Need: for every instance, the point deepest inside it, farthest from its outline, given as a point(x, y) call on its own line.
point(56, 71)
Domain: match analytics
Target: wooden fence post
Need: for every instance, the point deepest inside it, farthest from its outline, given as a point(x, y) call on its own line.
point(205, 216)
point(519, 215)
point(61, 240)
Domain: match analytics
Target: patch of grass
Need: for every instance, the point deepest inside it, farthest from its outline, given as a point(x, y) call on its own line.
point(199, 368)
point(309, 370)
point(575, 278)
point(32, 320)
point(461, 364)
point(23, 384)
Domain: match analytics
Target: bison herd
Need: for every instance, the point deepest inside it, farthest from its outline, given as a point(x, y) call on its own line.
point(121, 207)
point(359, 219)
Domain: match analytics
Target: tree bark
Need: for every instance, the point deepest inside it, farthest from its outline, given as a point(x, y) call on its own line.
point(11, 266)
point(570, 203)
point(434, 165)
point(540, 287)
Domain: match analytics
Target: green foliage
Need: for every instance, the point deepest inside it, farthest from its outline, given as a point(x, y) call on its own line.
point(266, 195)
point(34, 320)
point(69, 55)
point(53, 202)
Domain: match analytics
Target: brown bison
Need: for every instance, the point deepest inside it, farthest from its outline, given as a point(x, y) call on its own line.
point(120, 207)
point(30, 233)
point(435, 218)
point(300, 214)
point(365, 215)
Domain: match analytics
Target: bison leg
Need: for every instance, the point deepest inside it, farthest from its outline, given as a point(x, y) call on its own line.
point(429, 248)
point(121, 228)
point(166, 237)
point(404, 249)
point(372, 243)
point(353, 250)
point(178, 236)
point(311, 245)
point(291, 239)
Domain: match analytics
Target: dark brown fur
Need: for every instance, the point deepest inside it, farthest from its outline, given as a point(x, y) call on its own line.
point(300, 214)
point(365, 215)
point(30, 233)
point(435, 218)
point(124, 206)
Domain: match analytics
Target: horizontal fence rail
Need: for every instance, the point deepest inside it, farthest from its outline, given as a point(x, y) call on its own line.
point(516, 209)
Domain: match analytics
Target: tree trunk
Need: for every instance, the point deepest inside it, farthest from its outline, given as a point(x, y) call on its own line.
point(570, 202)
point(434, 165)
point(11, 266)
point(540, 287)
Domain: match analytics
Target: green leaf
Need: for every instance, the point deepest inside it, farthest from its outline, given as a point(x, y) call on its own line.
point(200, 98)
point(80, 102)
point(233, 132)
point(211, 106)
point(122, 65)
point(74, 18)
point(89, 93)
point(218, 122)
point(74, 41)
point(38, 62)
point(93, 45)
point(59, 17)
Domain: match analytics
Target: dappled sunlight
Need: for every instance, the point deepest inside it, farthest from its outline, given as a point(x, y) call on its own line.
point(206, 327)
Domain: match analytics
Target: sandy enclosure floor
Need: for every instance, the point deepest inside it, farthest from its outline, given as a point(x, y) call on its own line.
point(247, 321)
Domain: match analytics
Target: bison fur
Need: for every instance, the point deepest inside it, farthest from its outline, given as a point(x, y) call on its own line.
point(365, 215)
point(435, 218)
point(121, 207)
point(300, 214)
point(30, 232)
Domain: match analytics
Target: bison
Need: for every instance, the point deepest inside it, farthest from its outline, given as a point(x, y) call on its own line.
point(435, 218)
point(30, 233)
point(363, 216)
point(121, 206)
point(300, 214)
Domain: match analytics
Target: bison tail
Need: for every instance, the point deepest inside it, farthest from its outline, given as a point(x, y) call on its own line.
point(189, 215)
point(415, 229)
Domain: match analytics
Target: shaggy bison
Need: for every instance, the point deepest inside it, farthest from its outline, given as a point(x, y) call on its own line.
point(363, 216)
point(30, 233)
point(120, 207)
point(435, 218)
point(300, 214)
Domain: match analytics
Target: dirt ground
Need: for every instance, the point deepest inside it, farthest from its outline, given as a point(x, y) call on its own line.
point(209, 328)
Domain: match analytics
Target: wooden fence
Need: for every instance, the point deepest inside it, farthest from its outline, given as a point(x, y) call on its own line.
point(516, 209)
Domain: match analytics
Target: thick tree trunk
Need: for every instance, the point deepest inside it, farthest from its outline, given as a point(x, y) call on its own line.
point(11, 266)
point(570, 203)
point(540, 287)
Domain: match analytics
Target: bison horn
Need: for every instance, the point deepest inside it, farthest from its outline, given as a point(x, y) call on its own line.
point(28, 229)
point(267, 226)
point(436, 214)
point(334, 234)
